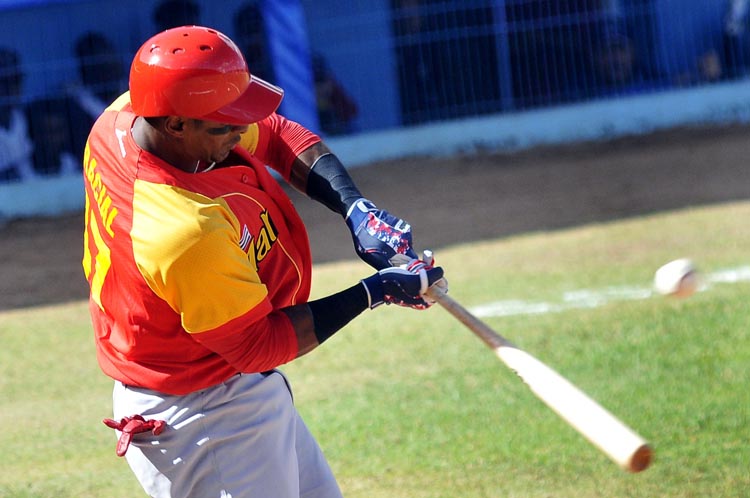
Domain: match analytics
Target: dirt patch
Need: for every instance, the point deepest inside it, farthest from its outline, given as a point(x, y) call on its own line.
point(452, 200)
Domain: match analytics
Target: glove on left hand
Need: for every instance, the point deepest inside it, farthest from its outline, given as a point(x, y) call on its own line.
point(403, 285)
point(378, 235)
point(427, 262)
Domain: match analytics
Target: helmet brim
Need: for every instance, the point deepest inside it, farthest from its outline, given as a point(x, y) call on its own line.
point(260, 100)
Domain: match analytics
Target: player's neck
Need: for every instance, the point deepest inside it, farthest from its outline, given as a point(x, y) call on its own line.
point(153, 141)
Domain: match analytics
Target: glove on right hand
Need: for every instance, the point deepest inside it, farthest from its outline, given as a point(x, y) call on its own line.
point(403, 286)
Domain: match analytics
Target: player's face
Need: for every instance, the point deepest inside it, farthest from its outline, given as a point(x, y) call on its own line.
point(213, 141)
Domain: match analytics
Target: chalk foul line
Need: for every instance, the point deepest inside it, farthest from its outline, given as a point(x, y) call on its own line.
point(593, 298)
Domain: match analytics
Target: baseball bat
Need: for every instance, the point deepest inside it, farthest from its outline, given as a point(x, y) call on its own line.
point(600, 427)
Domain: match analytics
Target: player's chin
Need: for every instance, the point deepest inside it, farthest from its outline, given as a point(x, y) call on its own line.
point(222, 155)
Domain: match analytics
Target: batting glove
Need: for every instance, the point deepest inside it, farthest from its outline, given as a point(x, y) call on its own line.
point(428, 261)
point(378, 235)
point(129, 426)
point(403, 285)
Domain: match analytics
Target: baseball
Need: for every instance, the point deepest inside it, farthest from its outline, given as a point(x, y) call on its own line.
point(677, 278)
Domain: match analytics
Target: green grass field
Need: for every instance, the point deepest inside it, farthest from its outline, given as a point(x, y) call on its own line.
point(411, 404)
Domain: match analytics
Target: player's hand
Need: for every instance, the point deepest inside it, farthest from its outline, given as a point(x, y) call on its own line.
point(403, 285)
point(427, 262)
point(378, 235)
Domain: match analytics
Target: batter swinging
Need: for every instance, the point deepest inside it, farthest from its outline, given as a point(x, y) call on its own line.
point(199, 269)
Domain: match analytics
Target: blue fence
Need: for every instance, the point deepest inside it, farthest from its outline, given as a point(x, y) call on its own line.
point(364, 65)
point(431, 60)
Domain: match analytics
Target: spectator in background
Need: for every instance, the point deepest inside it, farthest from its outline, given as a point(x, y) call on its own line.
point(735, 39)
point(250, 35)
point(16, 146)
point(101, 75)
point(710, 69)
point(551, 44)
point(59, 146)
point(616, 67)
point(706, 68)
point(174, 13)
point(336, 109)
point(419, 81)
point(447, 59)
point(60, 124)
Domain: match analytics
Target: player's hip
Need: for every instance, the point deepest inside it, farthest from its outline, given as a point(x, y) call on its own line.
point(239, 390)
point(214, 439)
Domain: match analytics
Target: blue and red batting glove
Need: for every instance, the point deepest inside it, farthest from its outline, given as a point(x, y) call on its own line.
point(378, 235)
point(404, 285)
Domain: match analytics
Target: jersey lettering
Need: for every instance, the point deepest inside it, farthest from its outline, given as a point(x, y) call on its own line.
point(261, 245)
point(96, 266)
point(101, 196)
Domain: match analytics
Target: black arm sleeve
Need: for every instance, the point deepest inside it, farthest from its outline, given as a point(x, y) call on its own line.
point(331, 313)
point(330, 184)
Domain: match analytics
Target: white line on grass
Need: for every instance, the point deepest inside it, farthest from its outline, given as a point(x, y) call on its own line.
point(587, 298)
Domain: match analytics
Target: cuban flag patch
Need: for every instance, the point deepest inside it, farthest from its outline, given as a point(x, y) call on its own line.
point(246, 238)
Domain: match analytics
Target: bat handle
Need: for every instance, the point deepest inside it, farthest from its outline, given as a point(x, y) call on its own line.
point(482, 330)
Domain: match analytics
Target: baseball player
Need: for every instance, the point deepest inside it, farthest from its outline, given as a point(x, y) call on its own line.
point(200, 267)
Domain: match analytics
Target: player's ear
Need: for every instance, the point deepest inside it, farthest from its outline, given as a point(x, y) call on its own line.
point(174, 125)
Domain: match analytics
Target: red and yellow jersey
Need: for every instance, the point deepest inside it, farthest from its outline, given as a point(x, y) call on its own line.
point(186, 269)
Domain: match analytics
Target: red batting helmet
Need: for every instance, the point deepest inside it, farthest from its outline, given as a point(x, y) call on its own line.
point(199, 73)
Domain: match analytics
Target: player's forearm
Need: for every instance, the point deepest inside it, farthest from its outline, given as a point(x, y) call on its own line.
point(316, 321)
point(321, 175)
point(287, 333)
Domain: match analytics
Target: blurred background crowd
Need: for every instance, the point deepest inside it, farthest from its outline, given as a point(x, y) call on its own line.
point(364, 65)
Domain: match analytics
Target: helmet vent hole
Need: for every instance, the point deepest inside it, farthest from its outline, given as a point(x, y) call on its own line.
point(178, 50)
point(205, 48)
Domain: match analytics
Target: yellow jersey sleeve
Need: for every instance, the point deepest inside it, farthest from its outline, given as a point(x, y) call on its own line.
point(119, 103)
point(249, 139)
point(187, 248)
